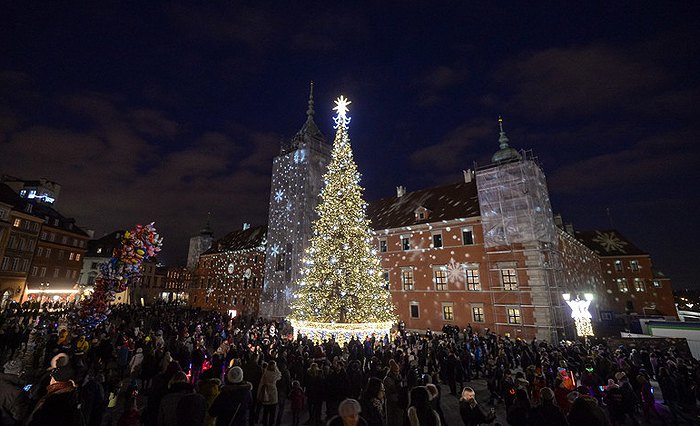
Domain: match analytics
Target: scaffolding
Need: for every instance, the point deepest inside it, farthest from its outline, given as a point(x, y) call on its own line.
point(520, 234)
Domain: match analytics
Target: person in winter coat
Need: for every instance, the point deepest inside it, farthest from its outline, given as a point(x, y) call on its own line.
point(420, 412)
point(267, 393)
point(348, 414)
point(252, 373)
point(235, 401)
point(296, 400)
point(372, 403)
point(61, 404)
point(393, 385)
point(471, 412)
point(208, 387)
point(586, 412)
point(547, 413)
point(314, 392)
point(136, 363)
point(181, 406)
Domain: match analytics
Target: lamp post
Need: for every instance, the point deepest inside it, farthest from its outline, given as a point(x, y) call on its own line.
point(580, 314)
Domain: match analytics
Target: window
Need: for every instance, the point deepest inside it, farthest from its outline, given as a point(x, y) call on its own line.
point(5, 263)
point(279, 262)
point(385, 276)
point(55, 272)
point(15, 264)
point(478, 313)
point(17, 223)
point(421, 215)
point(60, 254)
point(25, 265)
point(40, 251)
point(71, 256)
point(382, 246)
point(43, 271)
point(622, 285)
point(656, 283)
point(48, 252)
point(407, 278)
point(35, 270)
point(68, 273)
point(437, 240)
point(513, 315)
point(440, 278)
point(77, 257)
point(509, 279)
point(473, 283)
point(64, 240)
point(448, 313)
point(606, 316)
point(634, 265)
point(639, 285)
point(618, 265)
point(43, 236)
point(405, 243)
point(414, 310)
point(467, 236)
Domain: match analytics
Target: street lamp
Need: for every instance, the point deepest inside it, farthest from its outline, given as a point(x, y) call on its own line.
point(580, 314)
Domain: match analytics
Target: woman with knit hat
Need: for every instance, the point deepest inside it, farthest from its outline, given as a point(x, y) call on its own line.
point(232, 405)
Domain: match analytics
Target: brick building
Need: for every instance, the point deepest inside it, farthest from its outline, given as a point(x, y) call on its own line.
point(229, 276)
point(631, 285)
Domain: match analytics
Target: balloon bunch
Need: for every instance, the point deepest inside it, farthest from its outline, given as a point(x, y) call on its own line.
point(119, 272)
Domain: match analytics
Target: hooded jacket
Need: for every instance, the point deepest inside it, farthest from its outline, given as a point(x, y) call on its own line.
point(234, 399)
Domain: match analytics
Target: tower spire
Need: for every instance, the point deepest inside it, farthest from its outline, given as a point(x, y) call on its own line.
point(503, 139)
point(506, 153)
point(310, 111)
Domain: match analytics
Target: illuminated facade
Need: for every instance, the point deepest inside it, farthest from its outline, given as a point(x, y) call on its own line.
point(296, 183)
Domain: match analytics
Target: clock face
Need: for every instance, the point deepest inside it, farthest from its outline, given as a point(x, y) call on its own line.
point(230, 268)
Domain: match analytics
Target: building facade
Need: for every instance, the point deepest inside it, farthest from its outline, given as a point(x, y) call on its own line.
point(631, 285)
point(229, 276)
point(297, 178)
point(198, 245)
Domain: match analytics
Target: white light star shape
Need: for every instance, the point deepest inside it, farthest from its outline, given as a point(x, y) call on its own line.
point(279, 195)
point(274, 250)
point(341, 106)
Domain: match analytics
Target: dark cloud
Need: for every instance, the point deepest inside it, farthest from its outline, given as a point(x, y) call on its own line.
point(450, 154)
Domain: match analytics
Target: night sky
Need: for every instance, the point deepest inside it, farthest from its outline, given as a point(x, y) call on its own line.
point(165, 111)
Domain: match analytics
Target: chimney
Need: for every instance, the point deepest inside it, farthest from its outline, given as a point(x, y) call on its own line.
point(570, 228)
point(468, 175)
point(246, 225)
point(558, 221)
point(400, 191)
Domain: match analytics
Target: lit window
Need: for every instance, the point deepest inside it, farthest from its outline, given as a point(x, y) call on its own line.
point(634, 265)
point(440, 278)
point(510, 279)
point(71, 256)
point(415, 310)
point(473, 283)
point(639, 285)
point(17, 223)
point(657, 283)
point(437, 240)
point(467, 236)
point(382, 246)
point(407, 278)
point(513, 315)
point(405, 243)
point(448, 313)
point(478, 313)
point(618, 265)
point(77, 257)
point(622, 285)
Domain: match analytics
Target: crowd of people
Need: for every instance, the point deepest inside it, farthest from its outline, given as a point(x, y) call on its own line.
point(167, 365)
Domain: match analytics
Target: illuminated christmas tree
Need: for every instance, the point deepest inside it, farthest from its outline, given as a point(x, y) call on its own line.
point(342, 292)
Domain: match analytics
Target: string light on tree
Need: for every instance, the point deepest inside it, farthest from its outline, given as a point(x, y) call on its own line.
point(342, 291)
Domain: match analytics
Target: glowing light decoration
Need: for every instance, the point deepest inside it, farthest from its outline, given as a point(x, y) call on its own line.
point(279, 195)
point(580, 314)
point(342, 293)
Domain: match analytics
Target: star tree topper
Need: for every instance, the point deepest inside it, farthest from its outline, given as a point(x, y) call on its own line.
point(341, 107)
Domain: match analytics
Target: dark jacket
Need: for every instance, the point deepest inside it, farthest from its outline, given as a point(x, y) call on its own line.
point(373, 412)
point(182, 406)
point(548, 414)
point(234, 399)
point(472, 414)
point(59, 407)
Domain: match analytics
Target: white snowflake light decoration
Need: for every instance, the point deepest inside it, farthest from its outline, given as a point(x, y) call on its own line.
point(610, 241)
point(279, 195)
point(455, 272)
